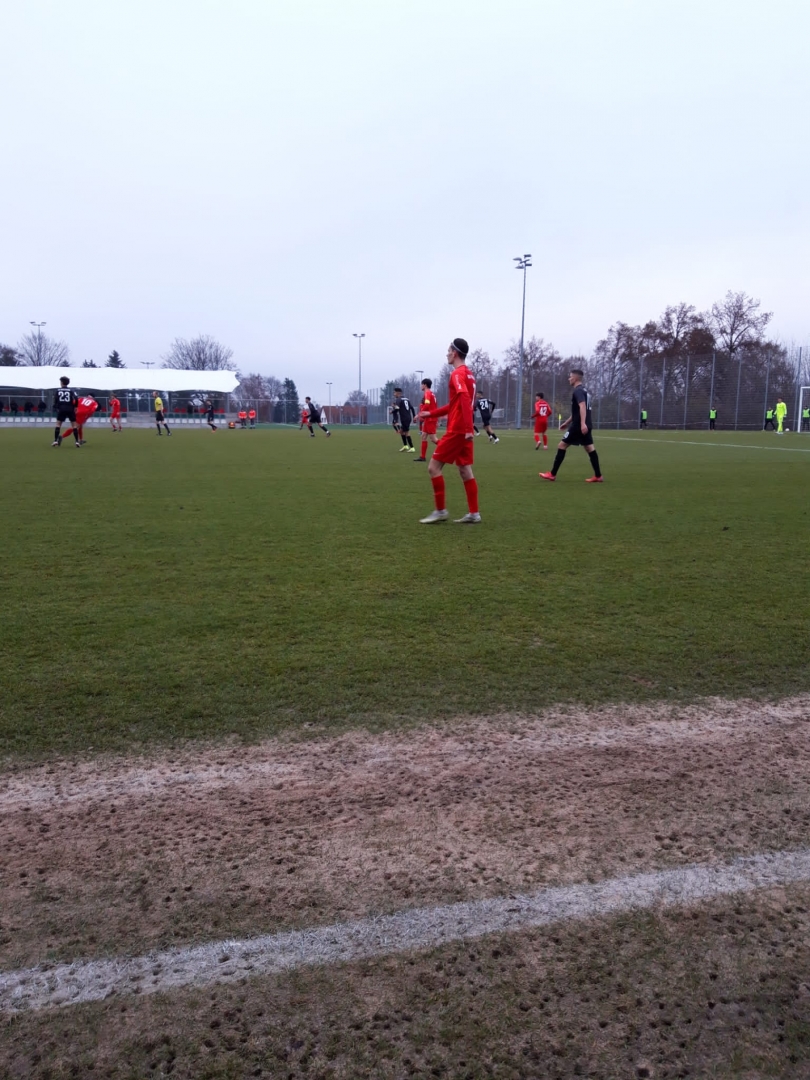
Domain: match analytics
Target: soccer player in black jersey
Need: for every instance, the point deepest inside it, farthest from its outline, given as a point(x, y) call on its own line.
point(485, 407)
point(405, 412)
point(580, 431)
point(314, 416)
point(66, 402)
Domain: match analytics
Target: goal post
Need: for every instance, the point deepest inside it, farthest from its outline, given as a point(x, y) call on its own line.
point(803, 424)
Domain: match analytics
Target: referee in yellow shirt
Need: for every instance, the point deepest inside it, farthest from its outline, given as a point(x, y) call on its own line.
point(159, 417)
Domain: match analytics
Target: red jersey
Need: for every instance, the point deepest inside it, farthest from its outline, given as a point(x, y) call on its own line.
point(85, 409)
point(542, 410)
point(459, 410)
point(115, 406)
point(429, 400)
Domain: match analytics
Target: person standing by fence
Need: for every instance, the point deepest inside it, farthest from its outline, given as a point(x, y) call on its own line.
point(805, 420)
point(712, 418)
point(769, 420)
point(781, 413)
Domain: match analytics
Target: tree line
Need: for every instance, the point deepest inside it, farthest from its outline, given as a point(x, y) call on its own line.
point(722, 353)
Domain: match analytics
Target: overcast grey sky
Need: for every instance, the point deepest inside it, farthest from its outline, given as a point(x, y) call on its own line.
point(282, 174)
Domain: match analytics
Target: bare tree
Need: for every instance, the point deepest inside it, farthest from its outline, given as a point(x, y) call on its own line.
point(255, 387)
point(202, 353)
point(738, 321)
point(8, 357)
point(39, 350)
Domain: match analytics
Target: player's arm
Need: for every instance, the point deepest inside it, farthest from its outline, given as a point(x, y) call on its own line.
point(468, 411)
point(434, 414)
point(582, 414)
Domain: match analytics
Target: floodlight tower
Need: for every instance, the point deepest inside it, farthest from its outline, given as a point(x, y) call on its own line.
point(39, 326)
point(359, 360)
point(523, 262)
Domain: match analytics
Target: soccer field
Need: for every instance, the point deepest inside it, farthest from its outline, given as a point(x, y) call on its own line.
point(250, 582)
point(542, 833)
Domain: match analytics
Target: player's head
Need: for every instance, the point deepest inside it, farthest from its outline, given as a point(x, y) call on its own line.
point(398, 391)
point(65, 381)
point(540, 395)
point(427, 383)
point(457, 351)
point(154, 393)
point(307, 399)
point(575, 376)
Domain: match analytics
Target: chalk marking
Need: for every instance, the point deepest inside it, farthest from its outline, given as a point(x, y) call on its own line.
point(418, 929)
point(715, 445)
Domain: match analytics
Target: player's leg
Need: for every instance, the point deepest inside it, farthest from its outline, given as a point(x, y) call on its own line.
point(559, 457)
point(75, 429)
point(57, 434)
point(492, 436)
point(437, 480)
point(472, 517)
point(590, 450)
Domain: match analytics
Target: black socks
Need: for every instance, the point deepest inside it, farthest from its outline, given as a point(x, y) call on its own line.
point(558, 460)
point(592, 454)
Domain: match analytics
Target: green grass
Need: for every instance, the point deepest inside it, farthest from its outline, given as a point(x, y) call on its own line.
point(250, 582)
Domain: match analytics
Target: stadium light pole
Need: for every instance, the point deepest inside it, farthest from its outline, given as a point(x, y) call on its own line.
point(359, 361)
point(522, 263)
point(330, 400)
point(39, 326)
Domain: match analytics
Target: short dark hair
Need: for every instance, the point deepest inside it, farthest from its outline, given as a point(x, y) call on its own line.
point(427, 382)
point(397, 389)
point(577, 371)
point(64, 380)
point(307, 398)
point(539, 394)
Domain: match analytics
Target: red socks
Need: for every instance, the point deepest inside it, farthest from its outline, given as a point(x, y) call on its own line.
point(537, 440)
point(545, 440)
point(424, 448)
point(438, 491)
point(471, 489)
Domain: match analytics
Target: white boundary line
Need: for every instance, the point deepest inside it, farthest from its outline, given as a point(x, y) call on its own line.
point(420, 928)
point(714, 445)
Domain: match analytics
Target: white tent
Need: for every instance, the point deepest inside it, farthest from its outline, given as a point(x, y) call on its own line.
point(169, 380)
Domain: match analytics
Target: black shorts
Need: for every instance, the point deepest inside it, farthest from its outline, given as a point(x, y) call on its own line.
point(404, 426)
point(486, 419)
point(66, 414)
point(576, 438)
point(159, 418)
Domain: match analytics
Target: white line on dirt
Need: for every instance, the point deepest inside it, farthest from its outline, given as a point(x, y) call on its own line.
point(420, 928)
point(715, 445)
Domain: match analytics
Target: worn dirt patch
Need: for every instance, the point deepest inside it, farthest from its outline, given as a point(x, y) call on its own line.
point(108, 856)
point(719, 991)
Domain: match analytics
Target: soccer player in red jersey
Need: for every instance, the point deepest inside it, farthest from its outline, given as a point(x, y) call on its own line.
point(542, 412)
point(456, 446)
point(84, 410)
point(427, 427)
point(115, 413)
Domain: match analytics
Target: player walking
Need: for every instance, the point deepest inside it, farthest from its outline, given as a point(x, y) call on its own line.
point(159, 416)
point(456, 446)
point(66, 402)
point(542, 413)
point(427, 427)
point(209, 413)
point(580, 431)
point(313, 414)
point(405, 412)
point(115, 413)
point(485, 407)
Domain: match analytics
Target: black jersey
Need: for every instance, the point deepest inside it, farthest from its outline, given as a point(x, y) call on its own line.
point(580, 394)
point(484, 405)
point(404, 410)
point(66, 398)
point(314, 413)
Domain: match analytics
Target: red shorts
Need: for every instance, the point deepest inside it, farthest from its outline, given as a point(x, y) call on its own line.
point(540, 426)
point(454, 450)
point(429, 427)
point(116, 415)
point(83, 415)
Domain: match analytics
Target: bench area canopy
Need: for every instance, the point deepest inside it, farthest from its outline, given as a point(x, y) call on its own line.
point(169, 380)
